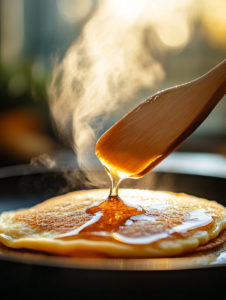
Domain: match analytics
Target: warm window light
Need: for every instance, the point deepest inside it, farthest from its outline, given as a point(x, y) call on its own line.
point(213, 17)
point(128, 8)
point(169, 18)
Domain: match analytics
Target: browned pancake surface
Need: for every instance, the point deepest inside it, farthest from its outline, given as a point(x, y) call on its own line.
point(52, 225)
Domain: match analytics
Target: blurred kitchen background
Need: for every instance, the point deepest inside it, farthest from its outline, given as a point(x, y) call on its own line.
point(186, 38)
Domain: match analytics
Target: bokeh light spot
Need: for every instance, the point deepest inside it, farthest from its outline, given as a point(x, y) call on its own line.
point(74, 11)
point(174, 34)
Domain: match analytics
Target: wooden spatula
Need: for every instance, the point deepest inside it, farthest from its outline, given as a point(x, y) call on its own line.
point(156, 127)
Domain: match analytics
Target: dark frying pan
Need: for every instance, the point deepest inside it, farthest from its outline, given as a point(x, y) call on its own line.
point(34, 275)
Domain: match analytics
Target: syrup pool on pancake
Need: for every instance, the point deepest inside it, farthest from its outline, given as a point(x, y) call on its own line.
point(139, 222)
point(114, 218)
point(142, 223)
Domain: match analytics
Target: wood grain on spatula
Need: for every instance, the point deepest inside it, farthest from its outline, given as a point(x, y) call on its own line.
point(156, 127)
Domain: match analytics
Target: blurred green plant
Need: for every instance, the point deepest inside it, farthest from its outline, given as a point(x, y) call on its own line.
point(23, 85)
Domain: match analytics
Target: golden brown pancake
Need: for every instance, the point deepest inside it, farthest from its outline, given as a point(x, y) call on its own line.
point(143, 224)
point(218, 241)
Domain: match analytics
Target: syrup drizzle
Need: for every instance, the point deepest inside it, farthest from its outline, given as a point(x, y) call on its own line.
point(113, 214)
point(115, 177)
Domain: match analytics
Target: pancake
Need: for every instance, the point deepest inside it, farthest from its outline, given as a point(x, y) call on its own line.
point(143, 224)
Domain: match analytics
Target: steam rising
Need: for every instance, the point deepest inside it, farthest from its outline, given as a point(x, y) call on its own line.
point(115, 56)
